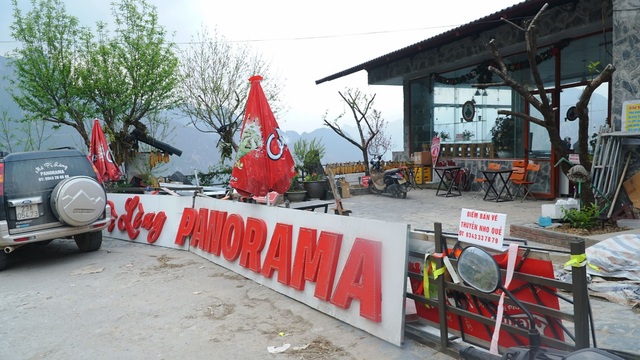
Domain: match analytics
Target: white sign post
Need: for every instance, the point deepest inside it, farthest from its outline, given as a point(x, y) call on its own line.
point(482, 228)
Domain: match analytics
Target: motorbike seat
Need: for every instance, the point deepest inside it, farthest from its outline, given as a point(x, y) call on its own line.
point(391, 171)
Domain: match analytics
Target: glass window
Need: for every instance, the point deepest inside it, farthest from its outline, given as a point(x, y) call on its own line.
point(421, 127)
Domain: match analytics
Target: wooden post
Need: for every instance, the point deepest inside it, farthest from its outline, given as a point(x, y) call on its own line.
point(339, 210)
point(442, 293)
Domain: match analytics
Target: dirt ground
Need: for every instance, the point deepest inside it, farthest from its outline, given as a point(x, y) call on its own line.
point(134, 301)
point(605, 228)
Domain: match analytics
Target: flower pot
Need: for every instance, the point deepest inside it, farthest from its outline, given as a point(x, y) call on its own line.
point(315, 189)
point(296, 196)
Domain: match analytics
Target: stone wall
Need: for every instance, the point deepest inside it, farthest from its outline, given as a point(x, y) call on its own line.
point(626, 47)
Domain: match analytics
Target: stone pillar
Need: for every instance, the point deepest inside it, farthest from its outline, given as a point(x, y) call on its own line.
point(626, 42)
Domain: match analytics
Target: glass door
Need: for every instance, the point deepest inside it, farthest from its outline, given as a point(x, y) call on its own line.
point(569, 123)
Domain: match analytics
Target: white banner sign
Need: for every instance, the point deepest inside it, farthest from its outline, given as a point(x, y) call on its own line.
point(482, 228)
point(352, 269)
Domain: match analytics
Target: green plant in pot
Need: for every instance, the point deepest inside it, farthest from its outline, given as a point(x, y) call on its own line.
point(444, 136)
point(503, 136)
point(296, 191)
point(310, 153)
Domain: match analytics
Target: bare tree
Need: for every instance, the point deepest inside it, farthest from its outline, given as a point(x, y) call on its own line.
point(216, 84)
point(369, 122)
point(25, 135)
point(542, 103)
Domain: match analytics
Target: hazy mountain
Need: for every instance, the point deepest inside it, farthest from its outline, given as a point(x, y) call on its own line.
point(198, 149)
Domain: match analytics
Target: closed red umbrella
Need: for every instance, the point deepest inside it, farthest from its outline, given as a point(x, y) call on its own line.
point(101, 156)
point(263, 162)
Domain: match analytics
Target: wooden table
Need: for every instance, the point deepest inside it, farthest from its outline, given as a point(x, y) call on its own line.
point(311, 205)
point(503, 176)
point(447, 173)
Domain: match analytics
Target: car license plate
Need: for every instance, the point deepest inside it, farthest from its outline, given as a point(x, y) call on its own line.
point(24, 212)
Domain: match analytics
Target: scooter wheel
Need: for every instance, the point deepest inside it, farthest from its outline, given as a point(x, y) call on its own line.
point(402, 194)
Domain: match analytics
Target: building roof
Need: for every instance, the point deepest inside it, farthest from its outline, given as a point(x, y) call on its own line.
point(518, 11)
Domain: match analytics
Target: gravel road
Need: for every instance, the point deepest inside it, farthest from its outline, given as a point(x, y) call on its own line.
point(135, 301)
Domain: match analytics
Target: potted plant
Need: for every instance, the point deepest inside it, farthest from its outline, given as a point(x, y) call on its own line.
point(310, 154)
point(467, 135)
point(444, 136)
point(503, 136)
point(296, 192)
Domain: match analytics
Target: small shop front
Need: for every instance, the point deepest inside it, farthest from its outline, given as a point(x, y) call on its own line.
point(450, 93)
point(464, 114)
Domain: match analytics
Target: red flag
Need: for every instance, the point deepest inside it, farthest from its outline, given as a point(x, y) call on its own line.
point(435, 150)
point(263, 162)
point(101, 156)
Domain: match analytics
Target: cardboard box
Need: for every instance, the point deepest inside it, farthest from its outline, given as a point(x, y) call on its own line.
point(422, 158)
point(344, 185)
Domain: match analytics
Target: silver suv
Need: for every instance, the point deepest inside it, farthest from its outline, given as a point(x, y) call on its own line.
point(48, 195)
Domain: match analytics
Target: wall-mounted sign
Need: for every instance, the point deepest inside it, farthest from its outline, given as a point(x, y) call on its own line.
point(631, 116)
point(468, 111)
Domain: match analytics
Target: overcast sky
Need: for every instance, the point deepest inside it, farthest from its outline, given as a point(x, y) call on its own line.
point(303, 40)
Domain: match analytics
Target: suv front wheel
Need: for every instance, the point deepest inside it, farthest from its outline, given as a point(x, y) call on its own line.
point(89, 241)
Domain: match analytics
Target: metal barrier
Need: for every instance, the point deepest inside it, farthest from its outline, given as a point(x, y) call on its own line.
point(574, 318)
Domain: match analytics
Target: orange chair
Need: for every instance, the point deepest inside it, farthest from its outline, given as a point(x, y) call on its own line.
point(524, 182)
point(481, 180)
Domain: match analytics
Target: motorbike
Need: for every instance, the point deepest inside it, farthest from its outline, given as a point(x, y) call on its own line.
point(394, 181)
point(480, 270)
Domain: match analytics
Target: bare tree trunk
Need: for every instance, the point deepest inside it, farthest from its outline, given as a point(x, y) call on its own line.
point(544, 106)
point(369, 122)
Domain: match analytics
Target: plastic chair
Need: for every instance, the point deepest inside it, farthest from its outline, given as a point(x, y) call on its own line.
point(523, 185)
point(481, 180)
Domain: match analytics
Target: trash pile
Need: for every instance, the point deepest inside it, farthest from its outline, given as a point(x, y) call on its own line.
point(614, 269)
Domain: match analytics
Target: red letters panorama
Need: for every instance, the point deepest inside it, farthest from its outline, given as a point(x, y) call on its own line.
point(315, 258)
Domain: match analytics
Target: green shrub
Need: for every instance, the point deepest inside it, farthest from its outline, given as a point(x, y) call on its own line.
point(585, 218)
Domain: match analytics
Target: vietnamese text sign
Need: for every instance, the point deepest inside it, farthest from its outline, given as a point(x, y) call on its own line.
point(482, 228)
point(631, 116)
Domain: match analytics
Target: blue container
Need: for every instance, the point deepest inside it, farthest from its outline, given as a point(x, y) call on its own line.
point(544, 221)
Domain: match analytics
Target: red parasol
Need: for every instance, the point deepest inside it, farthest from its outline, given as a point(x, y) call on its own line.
point(100, 155)
point(263, 162)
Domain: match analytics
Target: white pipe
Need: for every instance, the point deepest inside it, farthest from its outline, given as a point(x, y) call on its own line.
point(9, 249)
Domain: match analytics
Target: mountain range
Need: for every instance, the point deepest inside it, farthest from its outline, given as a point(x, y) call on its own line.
point(199, 150)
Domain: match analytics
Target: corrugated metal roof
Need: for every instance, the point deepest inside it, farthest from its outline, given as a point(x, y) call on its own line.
point(518, 11)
